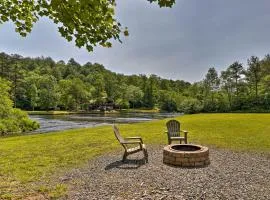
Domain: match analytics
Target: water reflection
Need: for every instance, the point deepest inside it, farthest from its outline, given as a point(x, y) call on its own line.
point(50, 123)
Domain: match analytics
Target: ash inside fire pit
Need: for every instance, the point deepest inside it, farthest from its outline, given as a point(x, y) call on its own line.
point(185, 147)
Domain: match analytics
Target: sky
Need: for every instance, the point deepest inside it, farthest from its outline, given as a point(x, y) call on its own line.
point(182, 42)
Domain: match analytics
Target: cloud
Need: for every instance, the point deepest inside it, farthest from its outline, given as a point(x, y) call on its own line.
point(178, 43)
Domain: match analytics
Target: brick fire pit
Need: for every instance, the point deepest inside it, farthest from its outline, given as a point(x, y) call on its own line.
point(186, 155)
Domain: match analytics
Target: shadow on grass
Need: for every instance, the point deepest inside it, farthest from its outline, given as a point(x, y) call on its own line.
point(127, 164)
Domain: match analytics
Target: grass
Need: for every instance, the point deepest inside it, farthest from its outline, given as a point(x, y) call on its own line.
point(28, 163)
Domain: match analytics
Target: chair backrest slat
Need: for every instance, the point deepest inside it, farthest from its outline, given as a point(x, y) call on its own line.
point(117, 134)
point(173, 127)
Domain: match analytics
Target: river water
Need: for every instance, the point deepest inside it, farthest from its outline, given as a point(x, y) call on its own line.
point(50, 123)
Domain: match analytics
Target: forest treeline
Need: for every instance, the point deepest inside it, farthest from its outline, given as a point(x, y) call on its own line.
point(44, 84)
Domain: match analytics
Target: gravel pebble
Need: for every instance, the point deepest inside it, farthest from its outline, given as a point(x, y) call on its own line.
point(231, 175)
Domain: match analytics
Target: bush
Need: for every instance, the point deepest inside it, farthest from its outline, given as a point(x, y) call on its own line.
point(191, 106)
point(9, 126)
point(210, 106)
point(3, 128)
point(122, 104)
point(17, 122)
point(28, 125)
point(169, 106)
point(12, 120)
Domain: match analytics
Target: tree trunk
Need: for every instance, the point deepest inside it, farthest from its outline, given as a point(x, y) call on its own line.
point(236, 85)
point(256, 90)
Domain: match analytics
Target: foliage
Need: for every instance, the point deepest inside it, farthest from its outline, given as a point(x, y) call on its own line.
point(12, 120)
point(74, 93)
point(5, 101)
point(36, 158)
point(170, 100)
point(254, 72)
point(236, 89)
point(133, 94)
point(48, 85)
point(17, 122)
point(89, 22)
point(169, 106)
point(190, 106)
point(48, 95)
point(43, 84)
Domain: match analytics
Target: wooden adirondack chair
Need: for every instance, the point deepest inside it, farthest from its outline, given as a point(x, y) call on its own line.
point(173, 132)
point(126, 142)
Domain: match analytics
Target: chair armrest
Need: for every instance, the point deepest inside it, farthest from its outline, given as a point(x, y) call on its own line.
point(184, 131)
point(132, 142)
point(134, 138)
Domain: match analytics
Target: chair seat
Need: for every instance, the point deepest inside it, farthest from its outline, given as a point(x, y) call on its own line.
point(134, 149)
point(138, 148)
point(177, 138)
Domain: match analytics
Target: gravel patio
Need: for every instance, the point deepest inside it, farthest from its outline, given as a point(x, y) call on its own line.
point(231, 175)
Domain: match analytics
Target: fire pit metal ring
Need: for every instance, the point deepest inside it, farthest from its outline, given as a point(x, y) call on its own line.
point(186, 155)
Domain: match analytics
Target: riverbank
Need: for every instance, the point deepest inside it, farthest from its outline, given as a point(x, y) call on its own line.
point(66, 112)
point(52, 112)
point(31, 165)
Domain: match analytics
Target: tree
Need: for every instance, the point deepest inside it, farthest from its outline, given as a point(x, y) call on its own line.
point(235, 70)
point(73, 93)
point(150, 91)
point(133, 94)
point(16, 76)
point(211, 86)
point(48, 95)
point(266, 84)
point(97, 81)
point(265, 65)
point(33, 95)
point(227, 84)
point(211, 80)
point(254, 72)
point(3, 64)
point(31, 89)
point(112, 87)
point(89, 22)
point(169, 100)
point(5, 101)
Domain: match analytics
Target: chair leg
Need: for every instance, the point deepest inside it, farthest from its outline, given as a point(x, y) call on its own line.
point(145, 155)
point(124, 157)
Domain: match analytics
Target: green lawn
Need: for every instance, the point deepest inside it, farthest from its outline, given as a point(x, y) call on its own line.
point(28, 163)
